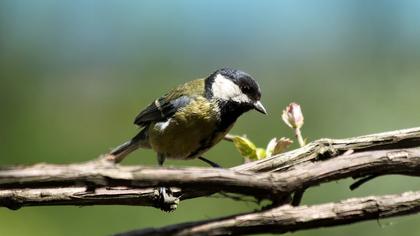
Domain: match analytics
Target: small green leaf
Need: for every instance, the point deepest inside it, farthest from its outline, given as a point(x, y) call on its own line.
point(246, 148)
point(260, 154)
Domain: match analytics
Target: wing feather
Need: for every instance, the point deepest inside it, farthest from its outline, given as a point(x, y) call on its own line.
point(164, 107)
point(160, 110)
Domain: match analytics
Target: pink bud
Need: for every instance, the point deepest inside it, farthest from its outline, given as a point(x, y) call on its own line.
point(293, 116)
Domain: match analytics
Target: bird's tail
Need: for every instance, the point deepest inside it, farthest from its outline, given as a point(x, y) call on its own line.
point(120, 152)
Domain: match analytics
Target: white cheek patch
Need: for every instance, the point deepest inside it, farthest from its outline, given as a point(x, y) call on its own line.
point(161, 126)
point(225, 89)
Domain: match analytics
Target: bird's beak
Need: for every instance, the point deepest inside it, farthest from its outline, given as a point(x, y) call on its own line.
point(259, 107)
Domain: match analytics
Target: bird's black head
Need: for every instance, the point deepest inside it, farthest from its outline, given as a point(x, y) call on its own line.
point(235, 87)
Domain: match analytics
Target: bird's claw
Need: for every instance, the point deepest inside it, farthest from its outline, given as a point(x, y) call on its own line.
point(165, 200)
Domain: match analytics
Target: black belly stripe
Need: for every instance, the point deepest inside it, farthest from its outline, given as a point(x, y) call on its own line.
point(229, 113)
point(204, 145)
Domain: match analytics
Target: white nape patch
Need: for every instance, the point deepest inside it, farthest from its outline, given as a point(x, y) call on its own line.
point(162, 125)
point(225, 89)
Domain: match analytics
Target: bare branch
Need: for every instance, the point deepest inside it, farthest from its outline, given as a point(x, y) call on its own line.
point(102, 183)
point(325, 148)
point(196, 181)
point(288, 219)
point(79, 196)
point(94, 175)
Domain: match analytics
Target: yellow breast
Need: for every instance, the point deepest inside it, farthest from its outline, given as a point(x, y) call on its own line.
point(189, 133)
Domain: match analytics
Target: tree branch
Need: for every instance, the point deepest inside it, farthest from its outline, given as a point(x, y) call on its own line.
point(288, 219)
point(14, 182)
point(103, 183)
point(93, 175)
point(79, 196)
point(327, 148)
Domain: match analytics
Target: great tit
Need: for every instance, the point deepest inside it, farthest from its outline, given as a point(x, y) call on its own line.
point(190, 119)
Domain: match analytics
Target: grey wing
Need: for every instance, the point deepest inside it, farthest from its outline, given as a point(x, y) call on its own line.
point(160, 110)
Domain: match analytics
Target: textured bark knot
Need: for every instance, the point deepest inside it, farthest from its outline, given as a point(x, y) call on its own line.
point(11, 203)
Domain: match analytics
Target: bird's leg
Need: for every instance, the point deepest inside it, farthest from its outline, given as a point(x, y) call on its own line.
point(213, 164)
point(162, 190)
point(166, 201)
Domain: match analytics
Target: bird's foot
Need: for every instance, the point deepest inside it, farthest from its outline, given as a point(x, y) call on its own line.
point(165, 200)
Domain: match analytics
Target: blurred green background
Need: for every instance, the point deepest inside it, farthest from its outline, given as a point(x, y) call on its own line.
point(73, 75)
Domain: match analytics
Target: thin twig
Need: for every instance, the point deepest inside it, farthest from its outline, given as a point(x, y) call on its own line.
point(361, 181)
point(298, 195)
point(229, 137)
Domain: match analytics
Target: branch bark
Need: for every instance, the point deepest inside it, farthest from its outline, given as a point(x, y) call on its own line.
point(102, 183)
point(93, 175)
point(288, 219)
point(14, 199)
point(327, 148)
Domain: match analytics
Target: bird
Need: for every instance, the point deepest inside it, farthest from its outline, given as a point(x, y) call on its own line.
point(191, 118)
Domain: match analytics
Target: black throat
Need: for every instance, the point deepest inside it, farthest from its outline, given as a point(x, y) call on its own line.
point(229, 113)
point(229, 110)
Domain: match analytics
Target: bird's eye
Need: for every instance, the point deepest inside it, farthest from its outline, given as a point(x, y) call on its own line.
point(246, 89)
